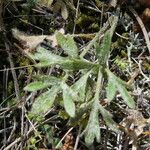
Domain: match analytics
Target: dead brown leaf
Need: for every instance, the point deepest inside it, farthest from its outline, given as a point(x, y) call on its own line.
point(31, 42)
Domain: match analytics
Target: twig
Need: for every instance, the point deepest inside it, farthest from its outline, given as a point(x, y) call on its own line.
point(5, 137)
point(133, 76)
point(5, 79)
point(123, 37)
point(32, 125)
point(13, 130)
point(147, 78)
point(13, 143)
point(88, 36)
point(6, 129)
point(15, 68)
point(16, 85)
point(139, 20)
point(140, 69)
point(119, 141)
point(64, 137)
point(77, 9)
point(77, 139)
point(20, 138)
point(22, 122)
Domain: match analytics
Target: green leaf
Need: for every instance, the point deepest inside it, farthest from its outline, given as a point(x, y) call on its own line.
point(37, 85)
point(68, 97)
point(110, 89)
point(126, 96)
point(80, 86)
point(45, 101)
point(104, 49)
point(119, 84)
point(92, 130)
point(108, 119)
point(67, 44)
point(43, 81)
point(46, 78)
point(69, 64)
point(46, 59)
point(83, 109)
point(76, 64)
point(46, 56)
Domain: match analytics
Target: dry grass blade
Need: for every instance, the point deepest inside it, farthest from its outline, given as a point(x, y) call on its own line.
point(139, 20)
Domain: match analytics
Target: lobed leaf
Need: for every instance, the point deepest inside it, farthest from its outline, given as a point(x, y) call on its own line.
point(103, 50)
point(92, 130)
point(44, 55)
point(126, 96)
point(107, 116)
point(47, 78)
point(47, 58)
point(45, 101)
point(68, 98)
point(77, 64)
point(110, 89)
point(37, 85)
point(119, 84)
point(69, 64)
point(43, 81)
point(80, 86)
point(67, 44)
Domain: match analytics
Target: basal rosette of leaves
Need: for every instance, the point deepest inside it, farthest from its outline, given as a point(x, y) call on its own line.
point(83, 96)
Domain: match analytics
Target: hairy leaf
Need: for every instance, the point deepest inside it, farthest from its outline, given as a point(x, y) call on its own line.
point(67, 44)
point(126, 96)
point(92, 130)
point(69, 64)
point(111, 88)
point(46, 78)
point(44, 55)
point(103, 50)
point(77, 64)
point(80, 86)
point(68, 98)
point(45, 101)
point(118, 83)
point(37, 85)
point(43, 81)
point(47, 58)
point(83, 109)
point(108, 118)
